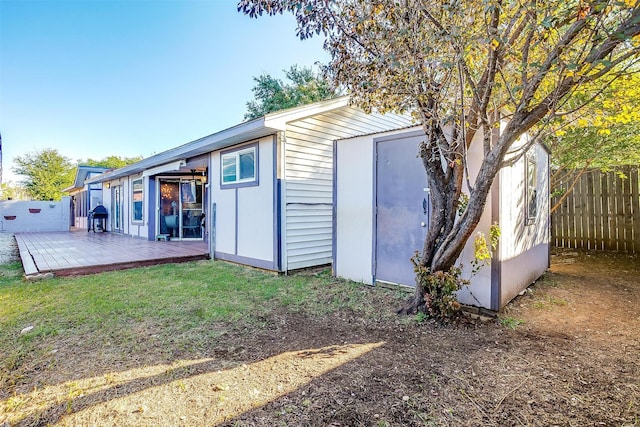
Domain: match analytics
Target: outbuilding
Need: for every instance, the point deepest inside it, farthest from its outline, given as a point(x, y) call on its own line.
point(259, 193)
point(381, 211)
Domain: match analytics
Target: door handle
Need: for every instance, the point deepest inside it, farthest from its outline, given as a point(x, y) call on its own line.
point(424, 206)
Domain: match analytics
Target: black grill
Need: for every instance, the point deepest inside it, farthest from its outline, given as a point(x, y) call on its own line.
point(98, 213)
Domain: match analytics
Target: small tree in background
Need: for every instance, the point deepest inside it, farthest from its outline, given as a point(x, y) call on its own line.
point(46, 173)
point(12, 191)
point(111, 162)
point(304, 86)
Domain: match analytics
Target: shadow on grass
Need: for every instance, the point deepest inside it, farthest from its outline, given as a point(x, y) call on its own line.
point(221, 390)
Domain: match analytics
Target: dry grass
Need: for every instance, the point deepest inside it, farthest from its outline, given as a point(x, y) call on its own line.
point(216, 344)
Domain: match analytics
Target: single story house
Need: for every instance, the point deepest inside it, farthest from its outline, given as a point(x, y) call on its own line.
point(381, 211)
point(260, 193)
point(84, 196)
point(326, 183)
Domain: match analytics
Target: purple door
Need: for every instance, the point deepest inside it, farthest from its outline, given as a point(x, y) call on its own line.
point(402, 201)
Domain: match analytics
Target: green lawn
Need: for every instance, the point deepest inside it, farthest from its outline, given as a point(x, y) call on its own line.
point(182, 307)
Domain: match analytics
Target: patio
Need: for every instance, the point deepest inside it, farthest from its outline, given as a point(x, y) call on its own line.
point(79, 252)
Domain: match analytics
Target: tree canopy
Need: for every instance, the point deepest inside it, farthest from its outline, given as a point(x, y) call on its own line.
point(111, 162)
point(467, 67)
point(604, 134)
point(303, 86)
point(10, 191)
point(46, 173)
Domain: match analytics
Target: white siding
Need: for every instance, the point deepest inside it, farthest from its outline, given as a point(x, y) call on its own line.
point(255, 210)
point(524, 248)
point(307, 185)
point(478, 293)
point(354, 210)
point(225, 201)
point(245, 225)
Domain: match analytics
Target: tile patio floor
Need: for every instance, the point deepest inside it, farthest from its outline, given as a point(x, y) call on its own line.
point(80, 252)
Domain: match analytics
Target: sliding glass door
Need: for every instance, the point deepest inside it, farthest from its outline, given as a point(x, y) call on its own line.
point(117, 216)
point(180, 208)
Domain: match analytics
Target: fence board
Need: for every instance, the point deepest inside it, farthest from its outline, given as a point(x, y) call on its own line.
point(603, 212)
point(628, 213)
point(619, 225)
point(634, 180)
point(606, 212)
point(580, 214)
point(597, 212)
point(565, 222)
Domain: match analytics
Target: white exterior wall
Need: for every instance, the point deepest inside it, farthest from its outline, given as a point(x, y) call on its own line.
point(134, 229)
point(256, 209)
point(106, 202)
point(137, 228)
point(524, 248)
point(354, 209)
point(225, 201)
point(307, 179)
point(53, 216)
point(478, 293)
point(244, 229)
point(354, 218)
point(126, 203)
point(308, 197)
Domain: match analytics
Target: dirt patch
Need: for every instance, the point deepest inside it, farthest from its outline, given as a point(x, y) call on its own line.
point(8, 248)
point(565, 353)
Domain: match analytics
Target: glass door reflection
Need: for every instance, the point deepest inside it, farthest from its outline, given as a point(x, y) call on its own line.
point(170, 208)
point(192, 215)
point(180, 209)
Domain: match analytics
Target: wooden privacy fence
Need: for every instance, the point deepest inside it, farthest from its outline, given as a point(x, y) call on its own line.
point(602, 212)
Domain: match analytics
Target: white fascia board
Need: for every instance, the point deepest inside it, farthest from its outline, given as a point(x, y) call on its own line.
point(279, 120)
point(225, 138)
point(169, 167)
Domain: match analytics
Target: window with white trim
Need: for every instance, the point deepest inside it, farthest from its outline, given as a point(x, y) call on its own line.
point(239, 166)
point(531, 190)
point(137, 199)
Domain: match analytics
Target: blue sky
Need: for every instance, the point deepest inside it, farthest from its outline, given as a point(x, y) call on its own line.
point(95, 78)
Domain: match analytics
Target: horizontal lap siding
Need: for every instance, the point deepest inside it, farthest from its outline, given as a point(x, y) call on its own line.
point(308, 179)
point(309, 196)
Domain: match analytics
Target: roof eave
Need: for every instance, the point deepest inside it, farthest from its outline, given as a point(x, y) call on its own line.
point(279, 119)
point(234, 135)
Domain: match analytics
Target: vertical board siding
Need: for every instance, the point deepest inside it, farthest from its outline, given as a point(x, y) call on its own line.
point(602, 212)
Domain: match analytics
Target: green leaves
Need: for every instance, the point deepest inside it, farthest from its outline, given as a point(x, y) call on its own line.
point(303, 87)
point(46, 173)
point(454, 64)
